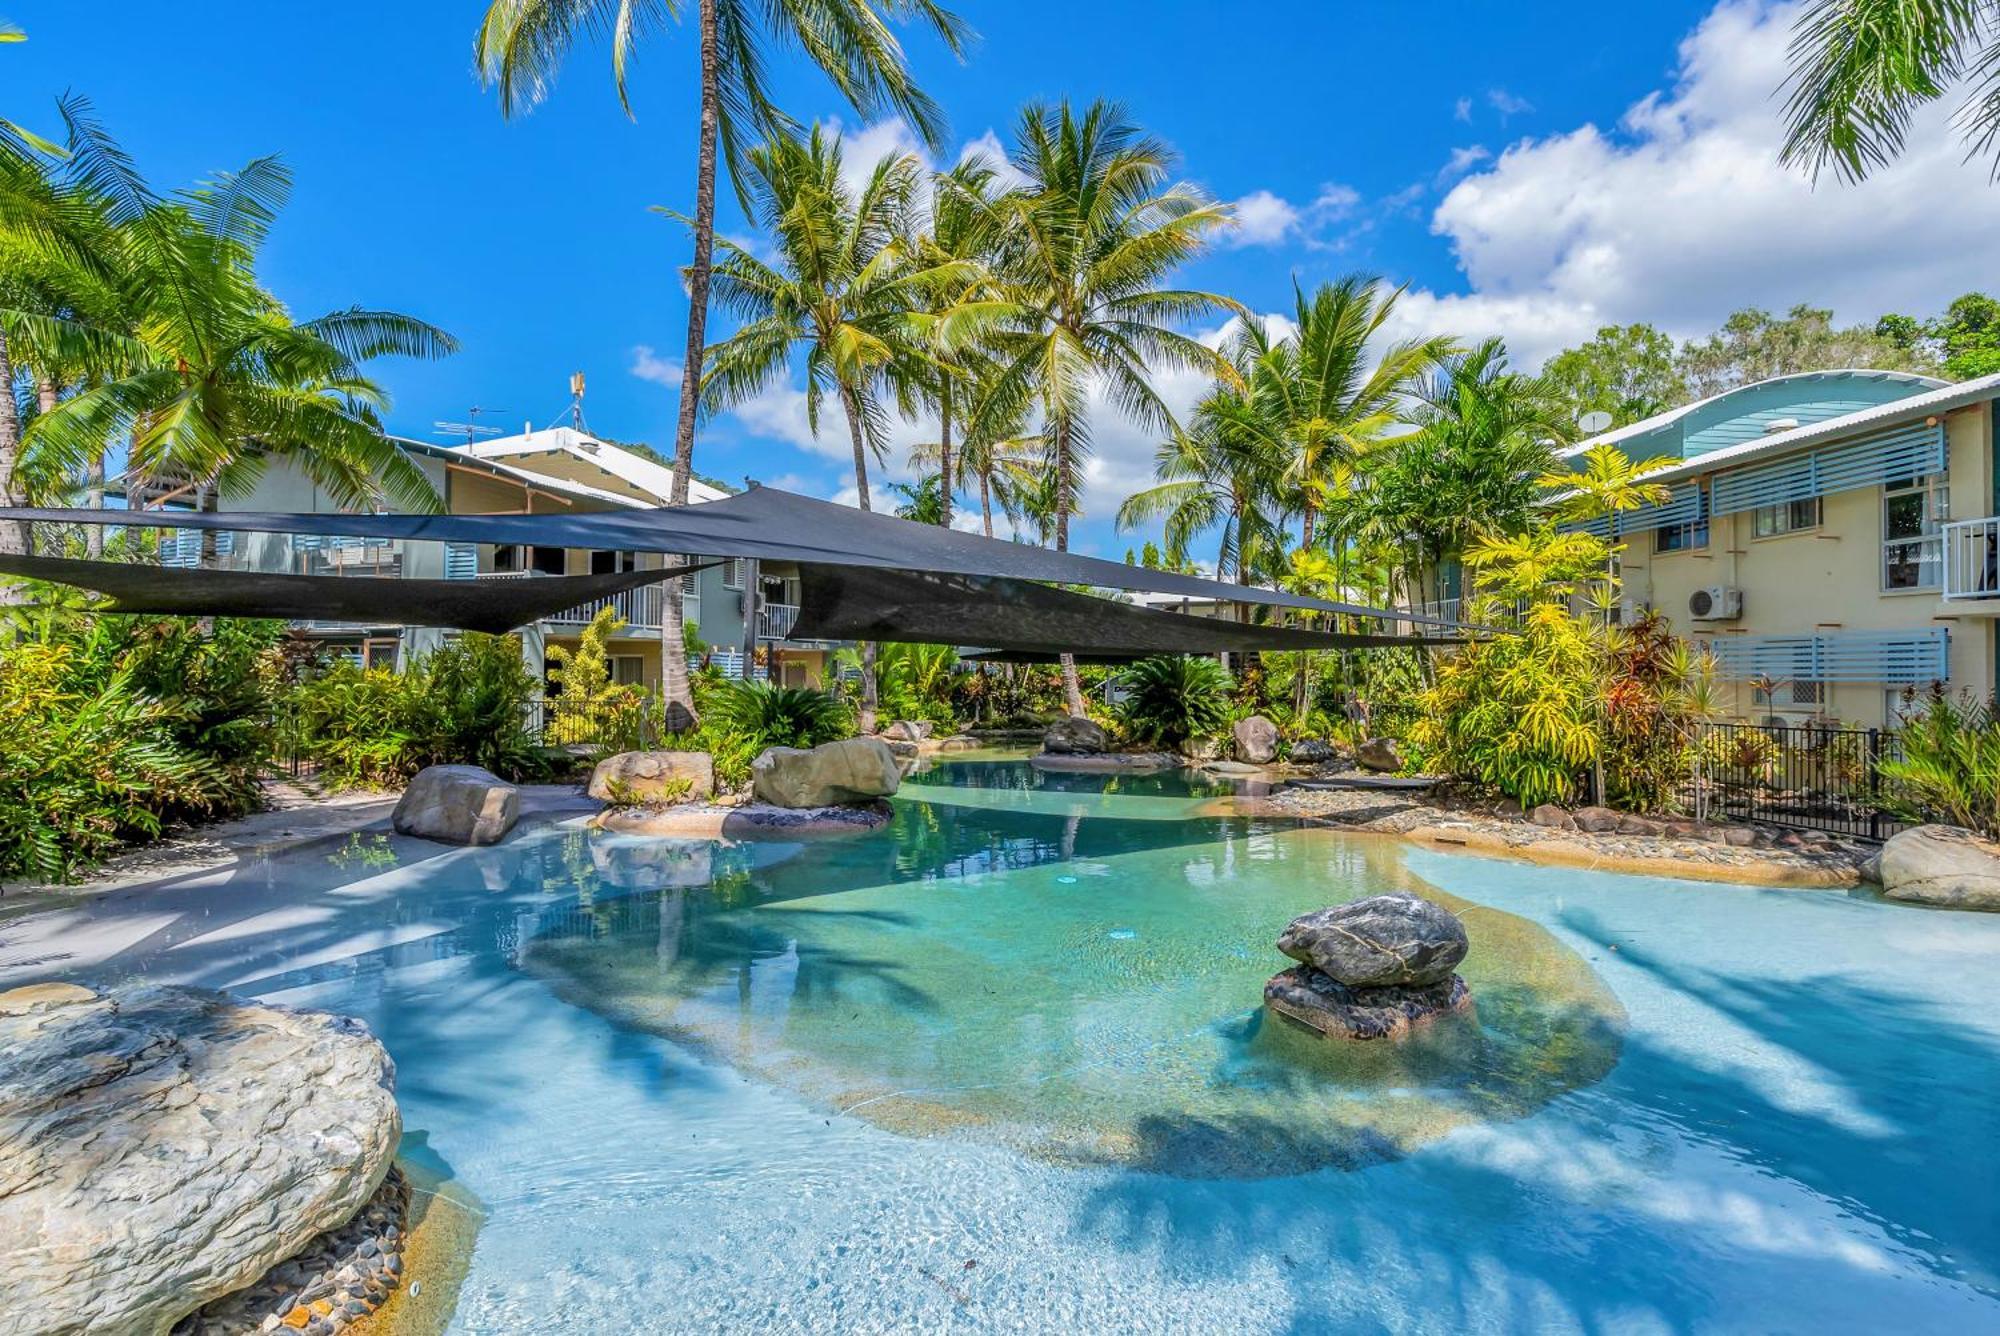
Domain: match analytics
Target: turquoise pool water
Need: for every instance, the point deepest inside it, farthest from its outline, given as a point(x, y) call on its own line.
point(1001, 1067)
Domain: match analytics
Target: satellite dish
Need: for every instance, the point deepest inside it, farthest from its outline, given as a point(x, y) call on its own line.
point(1593, 422)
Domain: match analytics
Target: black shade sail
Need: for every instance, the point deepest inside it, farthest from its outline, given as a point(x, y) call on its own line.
point(762, 523)
point(1020, 621)
point(493, 606)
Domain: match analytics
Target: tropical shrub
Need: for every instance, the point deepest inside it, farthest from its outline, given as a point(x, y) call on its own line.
point(91, 761)
point(1656, 688)
point(915, 682)
point(1518, 712)
point(1172, 698)
point(772, 716)
point(1949, 770)
point(465, 703)
point(588, 706)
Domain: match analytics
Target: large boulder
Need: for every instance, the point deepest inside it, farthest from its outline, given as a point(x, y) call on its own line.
point(1941, 865)
point(1312, 751)
point(161, 1147)
point(644, 778)
point(458, 804)
point(852, 770)
point(1337, 1011)
point(1380, 754)
point(1256, 740)
point(908, 730)
point(1075, 736)
point(1382, 941)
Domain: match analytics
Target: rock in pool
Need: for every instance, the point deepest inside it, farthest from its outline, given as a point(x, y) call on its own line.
point(162, 1147)
point(1305, 995)
point(1947, 866)
point(1075, 736)
point(852, 770)
point(1256, 740)
point(646, 777)
point(1381, 941)
point(1379, 754)
point(457, 804)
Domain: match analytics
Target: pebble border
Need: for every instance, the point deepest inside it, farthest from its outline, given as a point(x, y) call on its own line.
point(339, 1278)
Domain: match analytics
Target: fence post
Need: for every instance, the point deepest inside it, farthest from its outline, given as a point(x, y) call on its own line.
point(1874, 783)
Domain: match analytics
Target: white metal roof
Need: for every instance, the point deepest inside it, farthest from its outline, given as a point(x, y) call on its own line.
point(634, 469)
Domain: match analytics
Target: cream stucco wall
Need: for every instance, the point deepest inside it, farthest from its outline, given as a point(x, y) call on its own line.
point(1828, 578)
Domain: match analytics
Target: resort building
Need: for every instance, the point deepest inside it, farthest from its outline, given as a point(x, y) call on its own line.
point(1833, 537)
point(560, 471)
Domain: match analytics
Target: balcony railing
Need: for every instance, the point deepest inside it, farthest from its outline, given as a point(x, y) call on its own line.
point(1972, 559)
point(775, 621)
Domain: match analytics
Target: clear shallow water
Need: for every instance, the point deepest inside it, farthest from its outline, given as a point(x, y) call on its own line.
point(1798, 1134)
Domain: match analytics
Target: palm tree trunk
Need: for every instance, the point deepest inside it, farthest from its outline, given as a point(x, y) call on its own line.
point(211, 547)
point(13, 535)
point(676, 692)
point(93, 498)
point(870, 690)
point(944, 451)
point(1072, 684)
point(986, 501)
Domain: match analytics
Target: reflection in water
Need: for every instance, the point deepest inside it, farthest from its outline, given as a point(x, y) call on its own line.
point(1079, 983)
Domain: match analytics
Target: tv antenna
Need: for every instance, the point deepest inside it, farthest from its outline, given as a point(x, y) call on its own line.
point(470, 429)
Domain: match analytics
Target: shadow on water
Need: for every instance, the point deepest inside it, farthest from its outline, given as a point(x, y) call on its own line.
point(1901, 1145)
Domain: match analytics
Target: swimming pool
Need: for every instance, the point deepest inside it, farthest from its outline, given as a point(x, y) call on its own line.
point(1002, 1066)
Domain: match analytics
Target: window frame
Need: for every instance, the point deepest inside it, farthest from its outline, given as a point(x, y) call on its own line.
point(1934, 491)
point(1784, 519)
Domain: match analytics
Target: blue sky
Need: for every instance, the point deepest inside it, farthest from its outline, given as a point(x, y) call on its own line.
point(1530, 170)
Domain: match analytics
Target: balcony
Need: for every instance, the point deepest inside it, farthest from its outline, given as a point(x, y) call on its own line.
point(1972, 560)
point(775, 621)
point(641, 608)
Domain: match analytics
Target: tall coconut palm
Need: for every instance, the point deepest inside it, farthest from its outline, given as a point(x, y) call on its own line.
point(521, 44)
point(229, 380)
point(1219, 474)
point(1090, 239)
point(1329, 393)
point(840, 289)
point(959, 226)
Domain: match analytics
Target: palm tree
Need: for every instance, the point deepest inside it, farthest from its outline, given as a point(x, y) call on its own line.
point(1860, 69)
point(1485, 439)
point(1087, 243)
point(1330, 394)
point(229, 380)
point(841, 288)
point(959, 227)
point(522, 43)
point(923, 500)
point(1220, 474)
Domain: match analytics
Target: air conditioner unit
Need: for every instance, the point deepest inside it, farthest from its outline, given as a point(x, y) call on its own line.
point(1715, 603)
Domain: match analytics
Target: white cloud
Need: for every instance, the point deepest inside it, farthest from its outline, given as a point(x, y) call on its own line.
point(649, 365)
point(1463, 160)
point(1264, 218)
point(1681, 213)
point(1462, 110)
point(1507, 104)
point(862, 149)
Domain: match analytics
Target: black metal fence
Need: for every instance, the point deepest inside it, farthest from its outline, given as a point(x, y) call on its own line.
point(1807, 776)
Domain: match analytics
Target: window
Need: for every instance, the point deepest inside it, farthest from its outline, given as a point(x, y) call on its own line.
point(1902, 704)
point(1681, 537)
point(1786, 517)
point(1913, 517)
point(549, 560)
point(613, 563)
point(628, 670)
point(732, 573)
point(1789, 695)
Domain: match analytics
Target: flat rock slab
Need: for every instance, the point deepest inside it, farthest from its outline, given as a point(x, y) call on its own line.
point(162, 1147)
point(751, 821)
point(1305, 995)
point(1106, 763)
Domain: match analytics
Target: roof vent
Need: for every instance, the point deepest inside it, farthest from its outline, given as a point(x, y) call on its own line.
point(1776, 425)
